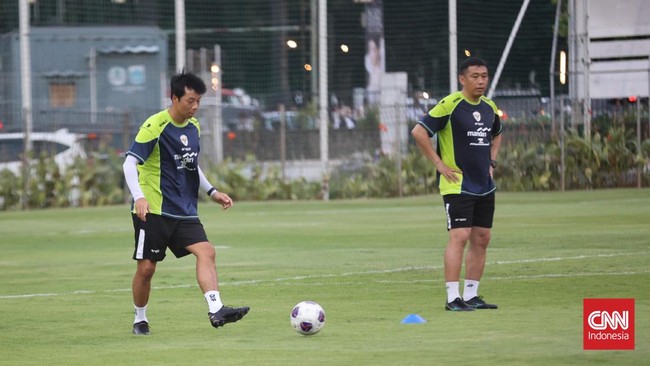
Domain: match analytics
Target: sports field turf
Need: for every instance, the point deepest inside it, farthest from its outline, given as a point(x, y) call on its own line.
point(65, 284)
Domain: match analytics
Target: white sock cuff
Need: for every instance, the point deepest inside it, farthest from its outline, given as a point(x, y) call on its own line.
point(214, 301)
point(140, 314)
point(470, 290)
point(452, 290)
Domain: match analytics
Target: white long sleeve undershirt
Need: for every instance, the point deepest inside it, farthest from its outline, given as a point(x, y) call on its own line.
point(205, 185)
point(130, 168)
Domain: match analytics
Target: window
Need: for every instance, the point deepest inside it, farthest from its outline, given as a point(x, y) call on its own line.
point(62, 94)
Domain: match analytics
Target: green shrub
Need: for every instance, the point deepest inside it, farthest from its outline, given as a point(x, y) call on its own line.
point(607, 160)
point(10, 190)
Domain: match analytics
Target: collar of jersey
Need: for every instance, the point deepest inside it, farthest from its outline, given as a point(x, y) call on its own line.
point(469, 101)
point(174, 123)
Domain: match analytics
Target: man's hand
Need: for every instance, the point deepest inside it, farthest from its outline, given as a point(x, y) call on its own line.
point(450, 174)
point(141, 208)
point(223, 199)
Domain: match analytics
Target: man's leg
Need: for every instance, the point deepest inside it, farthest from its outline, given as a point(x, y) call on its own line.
point(474, 266)
point(206, 276)
point(454, 253)
point(142, 281)
point(206, 270)
point(477, 253)
point(141, 287)
point(453, 262)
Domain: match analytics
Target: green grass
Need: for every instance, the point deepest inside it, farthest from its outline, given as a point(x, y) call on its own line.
point(65, 284)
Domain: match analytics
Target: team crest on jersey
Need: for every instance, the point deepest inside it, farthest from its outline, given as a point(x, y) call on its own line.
point(184, 140)
point(477, 116)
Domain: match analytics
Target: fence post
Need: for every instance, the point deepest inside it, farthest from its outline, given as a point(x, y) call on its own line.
point(638, 144)
point(399, 114)
point(562, 157)
point(217, 122)
point(283, 140)
point(126, 131)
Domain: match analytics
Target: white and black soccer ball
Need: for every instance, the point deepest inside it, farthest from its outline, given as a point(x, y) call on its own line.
point(307, 317)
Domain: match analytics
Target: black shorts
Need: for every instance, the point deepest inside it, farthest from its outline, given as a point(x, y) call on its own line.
point(464, 210)
point(154, 236)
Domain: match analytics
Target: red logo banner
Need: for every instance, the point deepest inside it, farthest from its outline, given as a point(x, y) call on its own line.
point(608, 324)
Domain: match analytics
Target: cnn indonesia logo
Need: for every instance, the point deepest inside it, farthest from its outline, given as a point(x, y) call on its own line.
point(608, 324)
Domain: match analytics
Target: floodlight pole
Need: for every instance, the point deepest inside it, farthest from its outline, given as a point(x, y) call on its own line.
point(217, 130)
point(551, 72)
point(453, 48)
point(562, 148)
point(506, 51)
point(179, 19)
point(26, 92)
point(314, 51)
point(552, 87)
point(92, 78)
point(322, 97)
point(638, 141)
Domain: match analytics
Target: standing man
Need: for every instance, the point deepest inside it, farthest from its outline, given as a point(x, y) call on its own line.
point(163, 174)
point(469, 135)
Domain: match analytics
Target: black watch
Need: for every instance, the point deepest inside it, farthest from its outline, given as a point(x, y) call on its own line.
point(493, 163)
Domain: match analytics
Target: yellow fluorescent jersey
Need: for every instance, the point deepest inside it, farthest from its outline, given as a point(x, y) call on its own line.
point(168, 154)
point(464, 134)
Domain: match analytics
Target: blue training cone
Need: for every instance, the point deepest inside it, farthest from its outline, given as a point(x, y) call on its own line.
point(413, 319)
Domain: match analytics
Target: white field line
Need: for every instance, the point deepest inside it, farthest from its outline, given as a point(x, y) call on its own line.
point(372, 272)
point(431, 280)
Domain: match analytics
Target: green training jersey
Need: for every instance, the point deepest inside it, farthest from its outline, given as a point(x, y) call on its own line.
point(464, 134)
point(168, 156)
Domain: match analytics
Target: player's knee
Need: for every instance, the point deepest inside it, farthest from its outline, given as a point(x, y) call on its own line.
point(211, 252)
point(459, 237)
point(146, 269)
point(482, 238)
point(205, 250)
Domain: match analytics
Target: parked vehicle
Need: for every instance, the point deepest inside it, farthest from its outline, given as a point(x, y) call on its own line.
point(63, 145)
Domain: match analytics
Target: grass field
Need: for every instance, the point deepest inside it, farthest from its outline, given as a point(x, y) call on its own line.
point(65, 284)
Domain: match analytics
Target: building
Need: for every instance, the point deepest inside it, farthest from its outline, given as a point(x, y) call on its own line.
point(84, 76)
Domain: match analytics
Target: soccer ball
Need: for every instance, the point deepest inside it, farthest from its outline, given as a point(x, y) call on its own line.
point(307, 318)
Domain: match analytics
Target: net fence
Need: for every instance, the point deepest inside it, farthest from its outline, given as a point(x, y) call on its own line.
point(103, 66)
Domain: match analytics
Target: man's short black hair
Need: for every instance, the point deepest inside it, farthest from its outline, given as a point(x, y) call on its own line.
point(471, 61)
point(188, 80)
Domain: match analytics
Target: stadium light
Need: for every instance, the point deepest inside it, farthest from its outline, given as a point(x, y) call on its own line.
point(215, 75)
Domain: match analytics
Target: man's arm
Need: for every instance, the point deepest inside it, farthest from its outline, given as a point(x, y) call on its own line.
point(494, 149)
point(219, 197)
point(423, 141)
point(130, 168)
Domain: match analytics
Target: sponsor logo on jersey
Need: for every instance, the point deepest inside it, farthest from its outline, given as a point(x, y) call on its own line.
point(481, 134)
